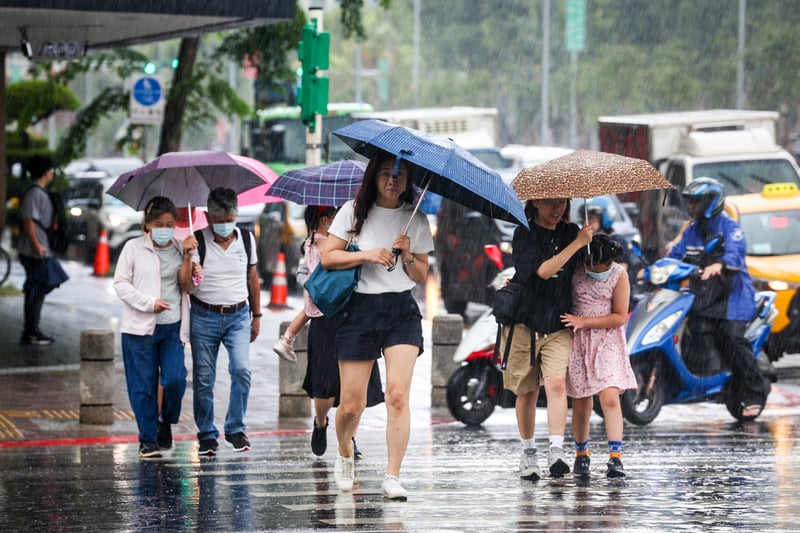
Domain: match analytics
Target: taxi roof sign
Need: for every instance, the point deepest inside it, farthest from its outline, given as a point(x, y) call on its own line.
point(780, 190)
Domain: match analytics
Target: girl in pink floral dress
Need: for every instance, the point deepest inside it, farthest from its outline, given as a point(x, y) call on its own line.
point(598, 362)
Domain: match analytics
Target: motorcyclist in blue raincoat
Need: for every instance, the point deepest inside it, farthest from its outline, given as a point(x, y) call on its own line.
point(724, 294)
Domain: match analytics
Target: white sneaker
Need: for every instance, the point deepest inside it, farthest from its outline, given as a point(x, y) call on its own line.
point(344, 472)
point(285, 350)
point(393, 489)
point(529, 465)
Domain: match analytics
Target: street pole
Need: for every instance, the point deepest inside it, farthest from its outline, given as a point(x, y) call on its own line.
point(573, 101)
point(314, 138)
point(546, 73)
point(415, 59)
point(741, 100)
point(358, 70)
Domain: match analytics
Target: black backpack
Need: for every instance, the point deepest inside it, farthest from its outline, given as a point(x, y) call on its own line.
point(57, 232)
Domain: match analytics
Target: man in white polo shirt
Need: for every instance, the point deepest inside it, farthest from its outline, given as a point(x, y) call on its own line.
point(226, 307)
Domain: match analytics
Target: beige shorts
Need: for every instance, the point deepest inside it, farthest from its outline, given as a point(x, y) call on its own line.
point(551, 358)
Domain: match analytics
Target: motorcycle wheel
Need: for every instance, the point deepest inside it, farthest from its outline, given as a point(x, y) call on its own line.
point(469, 401)
point(639, 406)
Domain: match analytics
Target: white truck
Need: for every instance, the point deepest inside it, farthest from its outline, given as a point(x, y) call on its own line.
point(736, 147)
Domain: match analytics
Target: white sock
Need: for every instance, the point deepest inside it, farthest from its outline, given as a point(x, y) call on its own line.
point(528, 444)
point(556, 441)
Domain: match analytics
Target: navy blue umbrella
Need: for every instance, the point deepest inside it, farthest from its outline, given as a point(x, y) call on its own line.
point(330, 184)
point(439, 165)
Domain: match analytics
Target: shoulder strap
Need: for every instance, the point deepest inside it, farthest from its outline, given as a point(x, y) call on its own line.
point(507, 350)
point(201, 245)
point(245, 233)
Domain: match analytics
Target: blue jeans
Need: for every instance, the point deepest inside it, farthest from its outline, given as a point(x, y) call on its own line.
point(143, 356)
point(209, 329)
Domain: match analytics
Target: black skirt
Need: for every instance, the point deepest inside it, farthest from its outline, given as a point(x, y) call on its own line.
point(322, 373)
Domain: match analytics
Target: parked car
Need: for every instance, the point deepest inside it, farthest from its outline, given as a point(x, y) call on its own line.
point(771, 223)
point(621, 215)
point(90, 209)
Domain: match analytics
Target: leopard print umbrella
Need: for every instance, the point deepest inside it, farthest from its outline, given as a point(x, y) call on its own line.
point(586, 174)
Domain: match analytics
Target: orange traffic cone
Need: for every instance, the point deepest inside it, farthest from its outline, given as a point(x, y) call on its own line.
point(101, 257)
point(280, 289)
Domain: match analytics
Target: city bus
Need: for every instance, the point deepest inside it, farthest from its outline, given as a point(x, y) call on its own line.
point(278, 136)
point(278, 139)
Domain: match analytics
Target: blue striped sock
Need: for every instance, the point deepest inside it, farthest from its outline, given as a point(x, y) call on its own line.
point(615, 446)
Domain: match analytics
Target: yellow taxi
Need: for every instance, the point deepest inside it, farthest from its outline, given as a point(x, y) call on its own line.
point(771, 223)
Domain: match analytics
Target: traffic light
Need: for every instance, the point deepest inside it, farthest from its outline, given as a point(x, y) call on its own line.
point(313, 51)
point(150, 68)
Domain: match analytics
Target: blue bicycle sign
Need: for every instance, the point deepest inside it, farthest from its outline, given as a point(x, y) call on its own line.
point(147, 91)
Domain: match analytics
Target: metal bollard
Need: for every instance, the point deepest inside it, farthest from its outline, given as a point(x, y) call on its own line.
point(446, 333)
point(293, 402)
point(97, 376)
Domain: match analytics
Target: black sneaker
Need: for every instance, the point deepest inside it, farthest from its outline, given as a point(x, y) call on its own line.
point(35, 339)
point(164, 435)
point(208, 447)
point(238, 441)
point(581, 466)
point(319, 438)
point(356, 453)
point(149, 450)
point(615, 468)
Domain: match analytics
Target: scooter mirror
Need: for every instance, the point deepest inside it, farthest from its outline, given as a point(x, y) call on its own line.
point(636, 248)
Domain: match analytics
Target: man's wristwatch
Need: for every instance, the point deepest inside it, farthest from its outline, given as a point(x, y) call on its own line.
point(257, 315)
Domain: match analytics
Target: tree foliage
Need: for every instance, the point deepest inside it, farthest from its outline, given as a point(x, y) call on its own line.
point(30, 101)
point(638, 57)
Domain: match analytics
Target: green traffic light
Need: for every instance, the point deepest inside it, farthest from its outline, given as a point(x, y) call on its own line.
point(174, 64)
point(150, 68)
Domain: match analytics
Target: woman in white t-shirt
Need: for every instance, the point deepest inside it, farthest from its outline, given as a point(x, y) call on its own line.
point(382, 317)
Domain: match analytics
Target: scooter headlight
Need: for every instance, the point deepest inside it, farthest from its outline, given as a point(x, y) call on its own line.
point(660, 274)
point(658, 331)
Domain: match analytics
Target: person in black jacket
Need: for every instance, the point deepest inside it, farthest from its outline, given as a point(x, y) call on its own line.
point(545, 258)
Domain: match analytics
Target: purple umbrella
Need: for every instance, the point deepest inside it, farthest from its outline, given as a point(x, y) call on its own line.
point(186, 178)
point(330, 184)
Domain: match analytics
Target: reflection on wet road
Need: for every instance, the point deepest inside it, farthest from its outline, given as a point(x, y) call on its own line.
point(694, 470)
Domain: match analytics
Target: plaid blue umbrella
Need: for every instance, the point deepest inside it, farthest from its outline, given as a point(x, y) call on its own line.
point(438, 165)
point(330, 184)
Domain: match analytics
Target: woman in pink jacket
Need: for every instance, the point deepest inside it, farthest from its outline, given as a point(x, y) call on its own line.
point(152, 275)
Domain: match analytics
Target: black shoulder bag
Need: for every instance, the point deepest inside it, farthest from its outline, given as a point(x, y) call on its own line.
point(505, 308)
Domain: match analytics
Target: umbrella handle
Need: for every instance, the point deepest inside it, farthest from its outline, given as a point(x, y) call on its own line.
point(397, 251)
point(195, 279)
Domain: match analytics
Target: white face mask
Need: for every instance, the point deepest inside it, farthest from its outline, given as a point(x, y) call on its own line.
point(599, 276)
point(224, 229)
point(162, 236)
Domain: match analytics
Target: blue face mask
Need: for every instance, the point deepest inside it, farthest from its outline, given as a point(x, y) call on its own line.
point(162, 236)
point(599, 276)
point(224, 229)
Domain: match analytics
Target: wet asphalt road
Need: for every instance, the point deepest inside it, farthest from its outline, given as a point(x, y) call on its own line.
point(693, 469)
